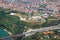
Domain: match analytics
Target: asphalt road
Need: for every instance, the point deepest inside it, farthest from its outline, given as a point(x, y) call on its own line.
point(33, 31)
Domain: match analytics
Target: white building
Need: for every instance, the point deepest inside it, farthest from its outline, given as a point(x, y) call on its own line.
point(12, 13)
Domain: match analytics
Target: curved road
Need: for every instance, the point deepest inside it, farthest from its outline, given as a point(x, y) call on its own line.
point(33, 31)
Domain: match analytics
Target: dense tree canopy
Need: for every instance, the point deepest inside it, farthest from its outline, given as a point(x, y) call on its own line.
point(14, 25)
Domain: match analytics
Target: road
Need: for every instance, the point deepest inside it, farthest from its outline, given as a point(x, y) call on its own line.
point(33, 31)
point(47, 28)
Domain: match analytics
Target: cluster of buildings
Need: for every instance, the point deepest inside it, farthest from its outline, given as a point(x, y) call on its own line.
point(45, 6)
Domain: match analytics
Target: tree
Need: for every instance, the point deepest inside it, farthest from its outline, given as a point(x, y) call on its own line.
point(2, 14)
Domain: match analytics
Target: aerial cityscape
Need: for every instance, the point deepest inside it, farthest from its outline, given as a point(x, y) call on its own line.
point(29, 19)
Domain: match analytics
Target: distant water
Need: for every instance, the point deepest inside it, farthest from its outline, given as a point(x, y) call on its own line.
point(4, 34)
